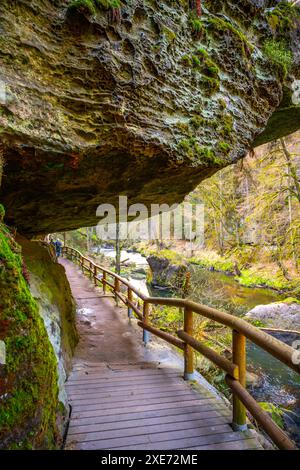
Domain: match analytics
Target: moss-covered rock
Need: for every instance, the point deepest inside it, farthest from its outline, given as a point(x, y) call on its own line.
point(167, 269)
point(100, 99)
point(29, 404)
point(49, 286)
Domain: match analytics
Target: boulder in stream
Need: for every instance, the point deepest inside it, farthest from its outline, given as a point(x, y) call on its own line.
point(284, 315)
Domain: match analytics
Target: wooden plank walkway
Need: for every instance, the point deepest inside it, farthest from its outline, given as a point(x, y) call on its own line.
point(122, 400)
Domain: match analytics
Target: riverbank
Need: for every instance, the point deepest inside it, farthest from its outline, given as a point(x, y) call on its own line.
point(261, 274)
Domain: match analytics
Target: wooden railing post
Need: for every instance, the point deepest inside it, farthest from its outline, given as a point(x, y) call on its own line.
point(91, 269)
point(95, 274)
point(103, 281)
point(188, 350)
point(117, 288)
point(129, 297)
point(239, 420)
point(146, 334)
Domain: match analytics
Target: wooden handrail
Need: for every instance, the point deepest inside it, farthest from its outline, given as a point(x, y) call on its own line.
point(241, 330)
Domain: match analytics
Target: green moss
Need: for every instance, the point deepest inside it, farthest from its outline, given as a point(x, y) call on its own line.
point(197, 121)
point(252, 278)
point(168, 319)
point(195, 61)
point(169, 34)
point(282, 18)
point(220, 25)
point(107, 4)
point(186, 60)
point(218, 263)
point(279, 54)
point(291, 300)
point(226, 125)
point(193, 150)
point(202, 53)
point(224, 147)
point(196, 26)
point(83, 6)
point(170, 255)
point(212, 85)
point(28, 411)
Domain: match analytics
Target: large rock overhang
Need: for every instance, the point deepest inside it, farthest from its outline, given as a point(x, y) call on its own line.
point(145, 107)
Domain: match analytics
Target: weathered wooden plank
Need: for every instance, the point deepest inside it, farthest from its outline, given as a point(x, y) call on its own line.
point(107, 374)
point(208, 417)
point(108, 387)
point(166, 397)
point(163, 441)
point(162, 430)
point(119, 410)
point(79, 408)
point(151, 387)
point(123, 380)
point(141, 392)
point(148, 428)
point(165, 412)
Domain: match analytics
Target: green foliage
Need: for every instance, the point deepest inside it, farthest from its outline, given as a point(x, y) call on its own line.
point(275, 412)
point(252, 278)
point(278, 53)
point(254, 322)
point(167, 318)
point(216, 262)
point(291, 300)
point(172, 256)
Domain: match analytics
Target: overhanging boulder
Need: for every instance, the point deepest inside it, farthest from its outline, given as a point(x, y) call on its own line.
point(145, 101)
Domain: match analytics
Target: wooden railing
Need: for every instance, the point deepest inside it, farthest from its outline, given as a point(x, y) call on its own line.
point(235, 370)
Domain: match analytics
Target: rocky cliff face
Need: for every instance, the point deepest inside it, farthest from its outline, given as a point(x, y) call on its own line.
point(37, 336)
point(145, 100)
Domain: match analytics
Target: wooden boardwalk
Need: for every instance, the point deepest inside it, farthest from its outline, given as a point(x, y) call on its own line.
point(121, 400)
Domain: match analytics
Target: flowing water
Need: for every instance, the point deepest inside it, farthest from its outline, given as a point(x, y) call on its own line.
point(279, 384)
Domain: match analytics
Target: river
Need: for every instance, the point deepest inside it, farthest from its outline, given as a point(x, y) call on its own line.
point(279, 384)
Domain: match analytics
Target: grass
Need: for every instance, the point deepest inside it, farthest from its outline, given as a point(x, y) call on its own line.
point(209, 259)
point(253, 277)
